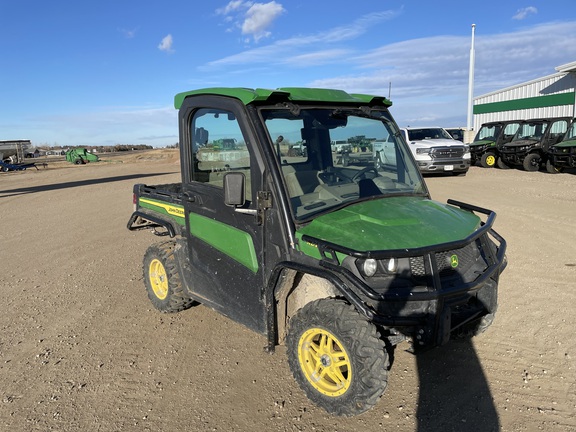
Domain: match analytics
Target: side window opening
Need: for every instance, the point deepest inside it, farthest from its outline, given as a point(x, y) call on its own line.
point(218, 146)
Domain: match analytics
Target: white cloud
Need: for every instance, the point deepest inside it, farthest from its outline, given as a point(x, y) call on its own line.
point(259, 18)
point(233, 6)
point(317, 58)
point(429, 76)
point(253, 19)
point(524, 12)
point(166, 44)
point(290, 50)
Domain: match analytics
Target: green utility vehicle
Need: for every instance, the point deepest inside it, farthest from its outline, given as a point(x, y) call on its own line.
point(489, 139)
point(80, 156)
point(562, 156)
point(340, 264)
point(529, 147)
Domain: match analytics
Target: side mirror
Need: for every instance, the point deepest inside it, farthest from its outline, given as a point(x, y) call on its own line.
point(234, 189)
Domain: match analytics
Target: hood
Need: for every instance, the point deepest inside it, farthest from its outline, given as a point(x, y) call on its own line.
point(522, 142)
point(481, 143)
point(568, 143)
point(392, 223)
point(438, 142)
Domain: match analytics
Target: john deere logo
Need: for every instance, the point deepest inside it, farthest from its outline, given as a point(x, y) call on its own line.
point(454, 261)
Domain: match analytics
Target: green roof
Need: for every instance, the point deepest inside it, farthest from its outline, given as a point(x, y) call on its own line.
point(293, 94)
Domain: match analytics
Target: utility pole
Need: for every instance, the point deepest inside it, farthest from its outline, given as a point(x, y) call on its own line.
point(471, 83)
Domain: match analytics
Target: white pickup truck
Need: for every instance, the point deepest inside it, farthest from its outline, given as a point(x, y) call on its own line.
point(436, 151)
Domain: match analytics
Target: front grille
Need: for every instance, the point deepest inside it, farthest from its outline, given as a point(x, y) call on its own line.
point(447, 152)
point(451, 262)
point(417, 266)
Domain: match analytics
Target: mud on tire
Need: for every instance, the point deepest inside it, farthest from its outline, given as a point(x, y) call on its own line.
point(162, 280)
point(337, 357)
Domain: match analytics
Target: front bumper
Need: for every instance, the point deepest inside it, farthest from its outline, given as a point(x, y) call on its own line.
point(476, 151)
point(563, 159)
point(443, 165)
point(427, 312)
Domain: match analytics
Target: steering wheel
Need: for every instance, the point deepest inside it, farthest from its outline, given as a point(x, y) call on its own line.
point(334, 175)
point(362, 173)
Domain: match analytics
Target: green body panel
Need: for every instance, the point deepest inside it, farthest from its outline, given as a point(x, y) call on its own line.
point(175, 211)
point(571, 143)
point(526, 103)
point(390, 224)
point(235, 243)
point(294, 94)
point(488, 143)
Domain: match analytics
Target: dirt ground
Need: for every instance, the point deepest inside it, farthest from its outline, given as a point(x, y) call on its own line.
point(81, 348)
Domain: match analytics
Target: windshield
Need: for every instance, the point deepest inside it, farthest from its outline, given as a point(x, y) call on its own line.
point(488, 132)
point(533, 131)
point(427, 134)
point(570, 133)
point(331, 157)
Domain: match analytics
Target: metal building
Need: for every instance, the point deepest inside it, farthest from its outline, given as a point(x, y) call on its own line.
point(549, 96)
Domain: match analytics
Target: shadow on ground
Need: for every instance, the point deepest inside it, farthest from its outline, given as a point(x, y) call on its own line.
point(454, 393)
point(66, 185)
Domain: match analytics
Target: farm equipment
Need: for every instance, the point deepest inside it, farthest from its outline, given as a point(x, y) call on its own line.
point(80, 156)
point(5, 167)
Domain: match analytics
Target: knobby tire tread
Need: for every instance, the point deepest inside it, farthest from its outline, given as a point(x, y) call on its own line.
point(177, 299)
point(366, 350)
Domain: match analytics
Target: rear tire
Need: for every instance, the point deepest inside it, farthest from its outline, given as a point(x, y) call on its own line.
point(162, 280)
point(337, 357)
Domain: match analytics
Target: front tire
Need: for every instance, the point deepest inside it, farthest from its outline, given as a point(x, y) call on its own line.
point(162, 280)
point(337, 357)
point(501, 164)
point(488, 160)
point(551, 168)
point(531, 162)
point(476, 328)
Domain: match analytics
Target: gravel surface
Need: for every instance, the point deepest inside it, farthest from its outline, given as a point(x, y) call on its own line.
point(82, 349)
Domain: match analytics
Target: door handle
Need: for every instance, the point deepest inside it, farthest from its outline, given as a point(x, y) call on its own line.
point(190, 197)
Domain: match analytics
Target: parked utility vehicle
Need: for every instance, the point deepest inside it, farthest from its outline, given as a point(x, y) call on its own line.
point(341, 264)
point(489, 139)
point(436, 151)
point(563, 155)
point(531, 142)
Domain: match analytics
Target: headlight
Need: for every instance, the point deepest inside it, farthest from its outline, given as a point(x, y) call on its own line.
point(422, 151)
point(369, 267)
point(392, 265)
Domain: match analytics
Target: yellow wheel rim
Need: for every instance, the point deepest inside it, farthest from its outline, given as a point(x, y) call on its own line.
point(158, 279)
point(490, 160)
point(325, 362)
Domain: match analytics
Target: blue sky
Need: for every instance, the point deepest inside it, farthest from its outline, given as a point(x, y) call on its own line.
point(105, 72)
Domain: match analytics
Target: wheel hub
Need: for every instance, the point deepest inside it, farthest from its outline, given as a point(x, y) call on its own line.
point(325, 360)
